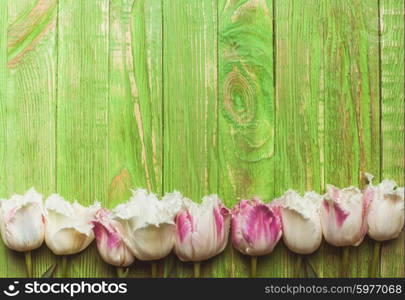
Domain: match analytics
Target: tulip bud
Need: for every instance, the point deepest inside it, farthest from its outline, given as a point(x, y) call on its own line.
point(68, 228)
point(386, 213)
point(302, 232)
point(344, 216)
point(147, 224)
point(22, 221)
point(109, 241)
point(201, 229)
point(256, 227)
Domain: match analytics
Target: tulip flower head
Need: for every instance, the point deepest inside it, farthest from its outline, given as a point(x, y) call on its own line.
point(201, 229)
point(344, 216)
point(110, 243)
point(147, 224)
point(22, 222)
point(69, 227)
point(302, 232)
point(386, 213)
point(256, 227)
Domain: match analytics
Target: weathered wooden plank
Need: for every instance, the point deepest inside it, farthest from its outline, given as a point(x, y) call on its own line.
point(29, 102)
point(135, 102)
point(82, 113)
point(352, 147)
point(246, 114)
point(392, 117)
point(299, 155)
point(190, 106)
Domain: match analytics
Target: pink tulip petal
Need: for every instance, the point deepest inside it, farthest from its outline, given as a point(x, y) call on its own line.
point(340, 214)
point(184, 221)
point(367, 198)
point(261, 225)
point(105, 231)
point(220, 212)
point(326, 205)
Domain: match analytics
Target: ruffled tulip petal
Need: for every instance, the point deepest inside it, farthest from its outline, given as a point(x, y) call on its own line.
point(201, 229)
point(344, 216)
point(147, 224)
point(69, 227)
point(302, 232)
point(109, 241)
point(256, 227)
point(22, 222)
point(386, 213)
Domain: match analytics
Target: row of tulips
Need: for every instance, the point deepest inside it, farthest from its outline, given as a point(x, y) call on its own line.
point(148, 229)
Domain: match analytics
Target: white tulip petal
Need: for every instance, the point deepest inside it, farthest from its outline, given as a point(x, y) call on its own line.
point(22, 222)
point(386, 213)
point(201, 229)
point(344, 216)
point(302, 232)
point(147, 223)
point(69, 226)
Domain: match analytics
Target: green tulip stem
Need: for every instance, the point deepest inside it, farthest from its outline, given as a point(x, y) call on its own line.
point(345, 261)
point(153, 269)
point(64, 273)
point(28, 263)
point(120, 272)
point(253, 266)
point(197, 269)
point(298, 266)
point(376, 260)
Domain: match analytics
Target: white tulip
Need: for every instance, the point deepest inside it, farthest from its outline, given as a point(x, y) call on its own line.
point(344, 216)
point(302, 232)
point(69, 227)
point(386, 213)
point(201, 229)
point(147, 224)
point(22, 221)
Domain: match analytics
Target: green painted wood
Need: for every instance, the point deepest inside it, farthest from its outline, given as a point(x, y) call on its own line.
point(352, 139)
point(29, 102)
point(392, 117)
point(135, 103)
point(190, 105)
point(3, 123)
point(82, 113)
point(246, 112)
point(237, 97)
point(299, 156)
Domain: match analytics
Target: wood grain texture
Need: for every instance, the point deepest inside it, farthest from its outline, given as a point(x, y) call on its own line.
point(3, 124)
point(29, 98)
point(135, 103)
point(246, 110)
point(190, 105)
point(300, 100)
point(235, 97)
point(82, 113)
point(392, 117)
point(352, 136)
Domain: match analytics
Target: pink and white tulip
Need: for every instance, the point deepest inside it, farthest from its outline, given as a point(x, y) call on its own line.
point(147, 224)
point(302, 232)
point(256, 227)
point(69, 227)
point(22, 222)
point(344, 216)
point(201, 229)
point(110, 243)
point(386, 213)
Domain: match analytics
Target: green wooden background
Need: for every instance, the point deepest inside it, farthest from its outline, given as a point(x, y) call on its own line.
point(236, 97)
